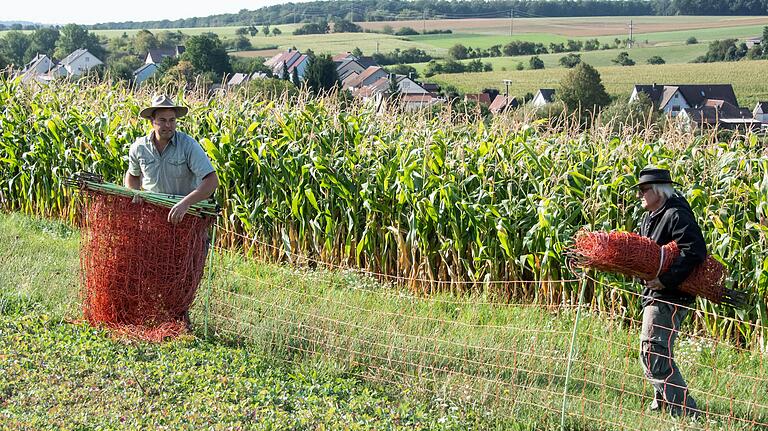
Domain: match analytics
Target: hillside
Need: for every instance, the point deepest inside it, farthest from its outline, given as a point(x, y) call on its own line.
point(400, 10)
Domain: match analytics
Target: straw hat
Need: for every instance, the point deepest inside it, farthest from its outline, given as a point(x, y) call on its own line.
point(162, 102)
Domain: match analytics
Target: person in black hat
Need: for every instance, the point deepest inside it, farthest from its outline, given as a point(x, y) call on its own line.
point(668, 218)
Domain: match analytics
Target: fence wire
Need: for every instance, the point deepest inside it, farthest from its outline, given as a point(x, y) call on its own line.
point(504, 358)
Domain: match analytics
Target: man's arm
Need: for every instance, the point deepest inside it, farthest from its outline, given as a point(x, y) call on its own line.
point(132, 181)
point(203, 191)
point(132, 178)
point(693, 250)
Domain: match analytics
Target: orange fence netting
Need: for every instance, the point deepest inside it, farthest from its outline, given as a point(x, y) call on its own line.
point(139, 272)
point(637, 256)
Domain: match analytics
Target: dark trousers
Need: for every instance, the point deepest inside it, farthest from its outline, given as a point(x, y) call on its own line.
point(661, 324)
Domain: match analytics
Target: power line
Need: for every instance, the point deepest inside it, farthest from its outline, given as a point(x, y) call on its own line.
point(511, 22)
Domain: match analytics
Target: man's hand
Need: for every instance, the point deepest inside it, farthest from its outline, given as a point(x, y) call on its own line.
point(654, 284)
point(177, 212)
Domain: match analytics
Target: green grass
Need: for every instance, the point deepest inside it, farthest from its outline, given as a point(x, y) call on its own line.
point(223, 32)
point(69, 376)
point(671, 54)
point(745, 76)
point(38, 253)
point(483, 40)
point(341, 42)
point(702, 35)
point(313, 348)
point(60, 375)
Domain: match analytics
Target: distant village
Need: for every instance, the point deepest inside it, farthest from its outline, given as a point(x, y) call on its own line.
point(692, 105)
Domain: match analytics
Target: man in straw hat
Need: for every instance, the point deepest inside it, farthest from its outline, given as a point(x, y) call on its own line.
point(168, 161)
point(668, 218)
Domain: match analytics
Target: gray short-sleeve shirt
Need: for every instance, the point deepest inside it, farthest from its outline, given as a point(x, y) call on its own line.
point(177, 171)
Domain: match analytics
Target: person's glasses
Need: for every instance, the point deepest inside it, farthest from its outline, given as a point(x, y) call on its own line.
point(642, 190)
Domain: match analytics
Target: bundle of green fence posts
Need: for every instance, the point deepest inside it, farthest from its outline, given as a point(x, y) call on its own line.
point(90, 181)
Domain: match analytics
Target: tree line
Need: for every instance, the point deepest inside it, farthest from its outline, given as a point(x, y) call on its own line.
point(397, 10)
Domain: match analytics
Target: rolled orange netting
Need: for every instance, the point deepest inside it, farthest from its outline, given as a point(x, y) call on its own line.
point(637, 256)
point(139, 273)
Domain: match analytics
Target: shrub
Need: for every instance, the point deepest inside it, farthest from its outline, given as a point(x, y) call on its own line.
point(570, 60)
point(406, 31)
point(623, 59)
point(536, 63)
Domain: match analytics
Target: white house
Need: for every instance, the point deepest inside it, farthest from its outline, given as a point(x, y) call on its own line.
point(407, 85)
point(673, 99)
point(543, 97)
point(37, 69)
point(76, 64)
point(144, 72)
point(760, 113)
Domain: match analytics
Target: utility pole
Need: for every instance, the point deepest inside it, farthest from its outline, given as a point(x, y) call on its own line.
point(631, 40)
point(352, 11)
point(507, 82)
point(511, 21)
point(424, 21)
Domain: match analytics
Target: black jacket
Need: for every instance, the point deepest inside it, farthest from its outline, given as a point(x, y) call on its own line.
point(675, 222)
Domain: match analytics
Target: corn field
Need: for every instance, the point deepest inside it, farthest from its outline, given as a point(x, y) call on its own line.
point(442, 201)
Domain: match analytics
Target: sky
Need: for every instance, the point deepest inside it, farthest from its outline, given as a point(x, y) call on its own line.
point(92, 12)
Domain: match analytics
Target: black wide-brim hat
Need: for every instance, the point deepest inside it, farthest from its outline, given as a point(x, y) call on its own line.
point(653, 175)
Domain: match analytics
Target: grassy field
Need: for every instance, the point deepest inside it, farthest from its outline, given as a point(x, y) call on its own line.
point(438, 45)
point(746, 77)
point(701, 34)
point(477, 40)
point(223, 32)
point(317, 349)
point(650, 32)
point(673, 54)
point(577, 26)
point(103, 383)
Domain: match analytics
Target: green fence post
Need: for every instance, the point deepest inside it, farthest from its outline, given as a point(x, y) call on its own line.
point(210, 282)
point(570, 353)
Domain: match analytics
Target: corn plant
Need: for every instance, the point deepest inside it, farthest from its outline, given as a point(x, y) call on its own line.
point(444, 203)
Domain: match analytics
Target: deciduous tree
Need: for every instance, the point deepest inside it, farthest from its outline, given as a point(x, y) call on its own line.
point(582, 89)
